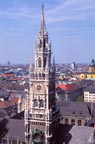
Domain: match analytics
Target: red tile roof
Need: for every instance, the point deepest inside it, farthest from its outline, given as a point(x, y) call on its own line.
point(13, 101)
point(67, 86)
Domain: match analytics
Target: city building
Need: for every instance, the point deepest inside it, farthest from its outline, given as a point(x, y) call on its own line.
point(41, 113)
point(90, 74)
point(69, 91)
point(92, 66)
point(77, 120)
point(87, 75)
point(89, 94)
point(73, 66)
point(45, 121)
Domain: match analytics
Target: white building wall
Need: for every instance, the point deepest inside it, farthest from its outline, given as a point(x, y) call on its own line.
point(89, 97)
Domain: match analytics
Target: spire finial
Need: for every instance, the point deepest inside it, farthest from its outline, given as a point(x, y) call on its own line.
point(43, 26)
point(42, 9)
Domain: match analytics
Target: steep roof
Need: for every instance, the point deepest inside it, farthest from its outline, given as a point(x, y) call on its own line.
point(80, 134)
point(13, 129)
point(68, 86)
point(75, 109)
point(90, 89)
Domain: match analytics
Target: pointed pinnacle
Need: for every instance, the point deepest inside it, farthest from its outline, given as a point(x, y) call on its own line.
point(43, 26)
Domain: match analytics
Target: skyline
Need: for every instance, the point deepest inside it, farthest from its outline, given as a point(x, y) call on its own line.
point(70, 24)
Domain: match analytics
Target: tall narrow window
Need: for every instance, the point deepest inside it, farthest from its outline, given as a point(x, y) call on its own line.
point(35, 103)
point(43, 75)
point(33, 75)
point(79, 122)
point(66, 121)
point(39, 75)
point(44, 43)
point(39, 63)
point(36, 76)
point(41, 103)
point(73, 121)
point(45, 60)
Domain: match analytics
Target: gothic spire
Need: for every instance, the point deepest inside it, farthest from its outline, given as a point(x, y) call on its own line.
point(54, 67)
point(43, 26)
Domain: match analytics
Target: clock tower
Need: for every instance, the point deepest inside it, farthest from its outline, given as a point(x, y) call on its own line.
point(41, 113)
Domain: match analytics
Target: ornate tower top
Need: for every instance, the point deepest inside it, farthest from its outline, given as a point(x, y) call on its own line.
point(42, 48)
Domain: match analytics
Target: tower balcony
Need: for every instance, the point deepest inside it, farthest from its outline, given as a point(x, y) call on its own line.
point(40, 75)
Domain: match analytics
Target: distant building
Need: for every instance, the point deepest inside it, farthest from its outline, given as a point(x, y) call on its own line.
point(89, 94)
point(87, 75)
point(90, 74)
point(69, 91)
point(8, 74)
point(92, 66)
point(73, 65)
point(4, 94)
point(8, 63)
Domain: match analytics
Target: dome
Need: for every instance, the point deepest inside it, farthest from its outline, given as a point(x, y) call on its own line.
point(92, 64)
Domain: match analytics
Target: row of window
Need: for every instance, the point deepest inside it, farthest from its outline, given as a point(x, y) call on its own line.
point(89, 98)
point(72, 121)
point(42, 43)
point(79, 122)
point(38, 123)
point(38, 76)
point(92, 76)
point(38, 103)
point(5, 141)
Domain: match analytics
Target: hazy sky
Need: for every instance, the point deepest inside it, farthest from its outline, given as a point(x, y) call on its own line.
point(70, 24)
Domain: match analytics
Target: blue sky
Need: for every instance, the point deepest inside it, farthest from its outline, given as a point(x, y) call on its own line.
point(70, 24)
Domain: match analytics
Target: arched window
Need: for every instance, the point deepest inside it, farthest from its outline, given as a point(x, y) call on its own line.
point(33, 75)
point(36, 76)
point(40, 43)
point(39, 63)
point(41, 103)
point(45, 60)
point(43, 75)
point(35, 103)
point(39, 75)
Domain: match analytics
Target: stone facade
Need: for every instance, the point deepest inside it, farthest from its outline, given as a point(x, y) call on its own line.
point(41, 113)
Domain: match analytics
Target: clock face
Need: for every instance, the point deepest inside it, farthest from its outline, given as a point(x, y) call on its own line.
point(39, 87)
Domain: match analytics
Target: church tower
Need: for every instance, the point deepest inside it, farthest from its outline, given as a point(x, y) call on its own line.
point(41, 114)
